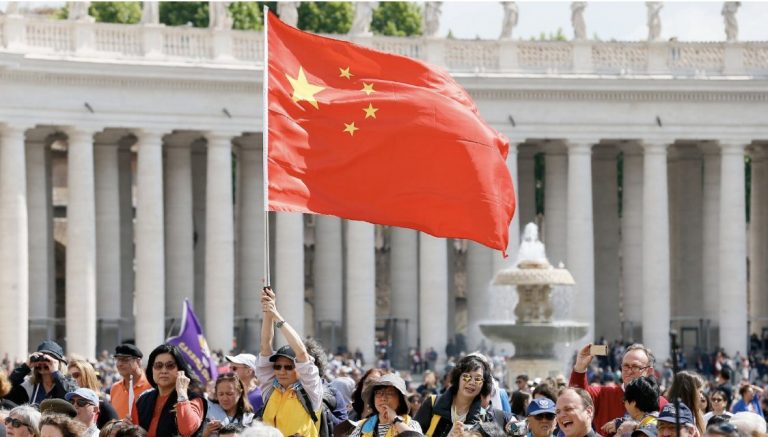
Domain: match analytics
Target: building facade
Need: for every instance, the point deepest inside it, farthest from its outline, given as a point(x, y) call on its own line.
point(131, 179)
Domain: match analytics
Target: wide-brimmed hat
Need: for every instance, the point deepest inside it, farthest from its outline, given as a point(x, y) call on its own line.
point(389, 379)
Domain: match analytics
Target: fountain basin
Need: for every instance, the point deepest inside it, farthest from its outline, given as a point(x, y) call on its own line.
point(531, 339)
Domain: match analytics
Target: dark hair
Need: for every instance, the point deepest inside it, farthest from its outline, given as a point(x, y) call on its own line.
point(723, 394)
point(243, 405)
point(358, 404)
point(644, 392)
point(402, 405)
point(468, 364)
point(517, 403)
point(316, 351)
point(545, 390)
point(231, 428)
point(743, 389)
point(718, 419)
point(131, 431)
point(180, 364)
point(68, 427)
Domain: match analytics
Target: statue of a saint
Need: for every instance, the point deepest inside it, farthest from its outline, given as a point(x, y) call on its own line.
point(150, 13)
point(219, 17)
point(432, 12)
point(510, 20)
point(577, 20)
point(654, 20)
point(78, 11)
point(731, 25)
point(288, 12)
point(361, 25)
point(12, 8)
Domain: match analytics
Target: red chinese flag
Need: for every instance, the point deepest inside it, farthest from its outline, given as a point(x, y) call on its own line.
point(366, 135)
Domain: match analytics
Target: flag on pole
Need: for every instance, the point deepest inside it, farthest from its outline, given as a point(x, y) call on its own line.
point(366, 135)
point(191, 342)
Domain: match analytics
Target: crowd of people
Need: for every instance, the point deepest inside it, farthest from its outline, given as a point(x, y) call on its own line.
point(299, 390)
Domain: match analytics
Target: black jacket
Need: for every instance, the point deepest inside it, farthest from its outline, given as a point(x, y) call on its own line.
point(23, 391)
point(442, 408)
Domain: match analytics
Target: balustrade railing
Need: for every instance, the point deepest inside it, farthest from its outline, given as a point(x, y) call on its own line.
point(29, 34)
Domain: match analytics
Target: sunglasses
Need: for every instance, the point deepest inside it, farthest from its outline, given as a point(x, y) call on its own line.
point(466, 377)
point(544, 416)
point(75, 375)
point(16, 423)
point(228, 375)
point(81, 402)
point(287, 367)
point(718, 400)
point(170, 365)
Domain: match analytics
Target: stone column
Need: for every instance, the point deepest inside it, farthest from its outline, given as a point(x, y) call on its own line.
point(42, 275)
point(127, 246)
point(108, 267)
point(656, 275)
point(433, 295)
point(514, 227)
point(220, 244)
point(150, 242)
point(758, 243)
point(289, 268)
point(580, 232)
point(632, 240)
point(711, 233)
point(361, 289)
point(526, 188)
point(605, 193)
point(179, 226)
point(14, 279)
point(251, 240)
point(733, 249)
point(404, 278)
point(480, 263)
point(81, 245)
point(199, 183)
point(555, 202)
point(329, 268)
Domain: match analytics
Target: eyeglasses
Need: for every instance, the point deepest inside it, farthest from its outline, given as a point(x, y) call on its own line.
point(16, 423)
point(125, 359)
point(633, 368)
point(466, 377)
point(718, 400)
point(226, 376)
point(544, 416)
point(170, 365)
point(80, 402)
point(385, 393)
point(287, 367)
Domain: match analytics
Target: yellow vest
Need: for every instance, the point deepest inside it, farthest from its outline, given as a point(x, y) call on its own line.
point(285, 412)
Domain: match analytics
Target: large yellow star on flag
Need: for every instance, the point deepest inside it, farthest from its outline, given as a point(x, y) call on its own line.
point(350, 128)
point(344, 72)
point(370, 111)
point(303, 90)
point(368, 89)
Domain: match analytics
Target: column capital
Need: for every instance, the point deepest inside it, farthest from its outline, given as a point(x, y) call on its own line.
point(577, 147)
point(80, 133)
point(13, 130)
point(220, 138)
point(656, 146)
point(150, 136)
point(731, 146)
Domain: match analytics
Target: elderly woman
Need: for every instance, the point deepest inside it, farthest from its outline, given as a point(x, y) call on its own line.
point(387, 397)
point(85, 375)
point(173, 405)
point(290, 382)
point(461, 404)
point(58, 425)
point(230, 407)
point(23, 421)
point(39, 378)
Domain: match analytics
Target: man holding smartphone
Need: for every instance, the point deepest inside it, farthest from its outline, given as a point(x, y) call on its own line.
point(608, 401)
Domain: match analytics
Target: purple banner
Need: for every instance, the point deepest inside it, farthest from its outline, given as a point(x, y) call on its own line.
point(193, 346)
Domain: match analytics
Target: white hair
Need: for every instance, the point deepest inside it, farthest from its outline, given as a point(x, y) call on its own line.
point(748, 422)
point(259, 429)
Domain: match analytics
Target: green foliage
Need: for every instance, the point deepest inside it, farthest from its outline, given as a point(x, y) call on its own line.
point(182, 13)
point(397, 19)
point(326, 17)
point(116, 12)
point(558, 36)
point(246, 15)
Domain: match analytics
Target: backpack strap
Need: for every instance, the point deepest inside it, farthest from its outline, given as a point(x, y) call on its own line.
point(304, 398)
point(265, 396)
point(435, 418)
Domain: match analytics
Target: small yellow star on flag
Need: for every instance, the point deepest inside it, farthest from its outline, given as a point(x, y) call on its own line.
point(370, 111)
point(350, 128)
point(303, 90)
point(344, 72)
point(368, 88)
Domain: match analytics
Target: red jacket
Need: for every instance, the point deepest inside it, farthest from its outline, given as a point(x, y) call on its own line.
point(608, 400)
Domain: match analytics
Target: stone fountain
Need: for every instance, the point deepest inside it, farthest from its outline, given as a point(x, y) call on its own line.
point(534, 334)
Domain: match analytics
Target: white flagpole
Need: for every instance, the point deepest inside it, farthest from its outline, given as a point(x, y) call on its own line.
point(265, 147)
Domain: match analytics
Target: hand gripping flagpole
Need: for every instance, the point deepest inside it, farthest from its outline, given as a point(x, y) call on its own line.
point(265, 147)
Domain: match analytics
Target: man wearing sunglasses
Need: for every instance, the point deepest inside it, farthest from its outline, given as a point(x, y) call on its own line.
point(541, 418)
point(125, 392)
point(290, 382)
point(86, 402)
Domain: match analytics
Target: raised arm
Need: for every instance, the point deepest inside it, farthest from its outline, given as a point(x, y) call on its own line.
point(291, 336)
point(267, 326)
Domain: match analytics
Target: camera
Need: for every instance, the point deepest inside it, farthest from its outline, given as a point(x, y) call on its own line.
point(38, 358)
point(517, 428)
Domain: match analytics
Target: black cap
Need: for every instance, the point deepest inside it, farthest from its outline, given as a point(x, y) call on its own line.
point(50, 347)
point(284, 351)
point(128, 350)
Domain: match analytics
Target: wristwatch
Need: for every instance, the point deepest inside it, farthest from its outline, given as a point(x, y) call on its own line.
point(279, 324)
point(397, 419)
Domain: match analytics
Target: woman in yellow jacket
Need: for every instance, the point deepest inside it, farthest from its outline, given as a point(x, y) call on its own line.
point(386, 396)
point(289, 380)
